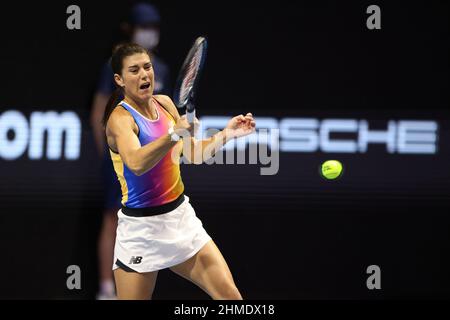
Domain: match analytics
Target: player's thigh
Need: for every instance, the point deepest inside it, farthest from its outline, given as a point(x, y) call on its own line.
point(133, 285)
point(207, 269)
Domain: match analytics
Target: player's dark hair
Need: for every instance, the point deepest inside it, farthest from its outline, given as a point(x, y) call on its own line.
point(120, 52)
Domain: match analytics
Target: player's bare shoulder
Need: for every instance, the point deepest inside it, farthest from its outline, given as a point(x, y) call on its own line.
point(167, 103)
point(118, 120)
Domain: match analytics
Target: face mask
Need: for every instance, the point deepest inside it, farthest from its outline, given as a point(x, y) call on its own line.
point(148, 38)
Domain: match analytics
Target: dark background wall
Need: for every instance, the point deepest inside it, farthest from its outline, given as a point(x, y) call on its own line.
point(292, 235)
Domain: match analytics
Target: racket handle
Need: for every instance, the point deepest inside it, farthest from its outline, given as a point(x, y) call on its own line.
point(190, 115)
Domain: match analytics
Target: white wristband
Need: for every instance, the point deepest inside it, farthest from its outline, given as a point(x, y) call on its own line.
point(173, 135)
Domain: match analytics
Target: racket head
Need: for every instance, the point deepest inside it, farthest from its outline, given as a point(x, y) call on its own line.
point(189, 74)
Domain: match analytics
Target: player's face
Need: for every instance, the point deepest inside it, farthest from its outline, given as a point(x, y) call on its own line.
point(138, 77)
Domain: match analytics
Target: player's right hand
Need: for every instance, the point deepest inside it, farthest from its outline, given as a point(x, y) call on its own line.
point(184, 128)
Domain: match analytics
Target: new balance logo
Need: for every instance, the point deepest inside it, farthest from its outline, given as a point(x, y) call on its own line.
point(135, 260)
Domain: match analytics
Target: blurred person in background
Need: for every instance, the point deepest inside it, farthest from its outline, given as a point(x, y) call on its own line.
point(143, 28)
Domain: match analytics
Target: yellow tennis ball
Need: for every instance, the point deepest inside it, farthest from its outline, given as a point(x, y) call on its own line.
point(331, 169)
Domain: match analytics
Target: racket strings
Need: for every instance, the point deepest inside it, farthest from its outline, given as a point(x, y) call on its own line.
point(188, 76)
point(191, 72)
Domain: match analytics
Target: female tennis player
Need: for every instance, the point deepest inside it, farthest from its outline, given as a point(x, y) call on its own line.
point(157, 227)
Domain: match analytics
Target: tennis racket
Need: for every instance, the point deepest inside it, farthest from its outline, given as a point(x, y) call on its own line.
point(188, 77)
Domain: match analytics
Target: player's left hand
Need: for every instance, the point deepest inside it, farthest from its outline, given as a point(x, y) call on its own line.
point(240, 126)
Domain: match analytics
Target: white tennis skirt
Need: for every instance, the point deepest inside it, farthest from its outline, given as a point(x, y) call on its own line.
point(146, 244)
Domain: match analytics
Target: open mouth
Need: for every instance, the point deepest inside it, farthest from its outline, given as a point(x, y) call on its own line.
point(145, 86)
